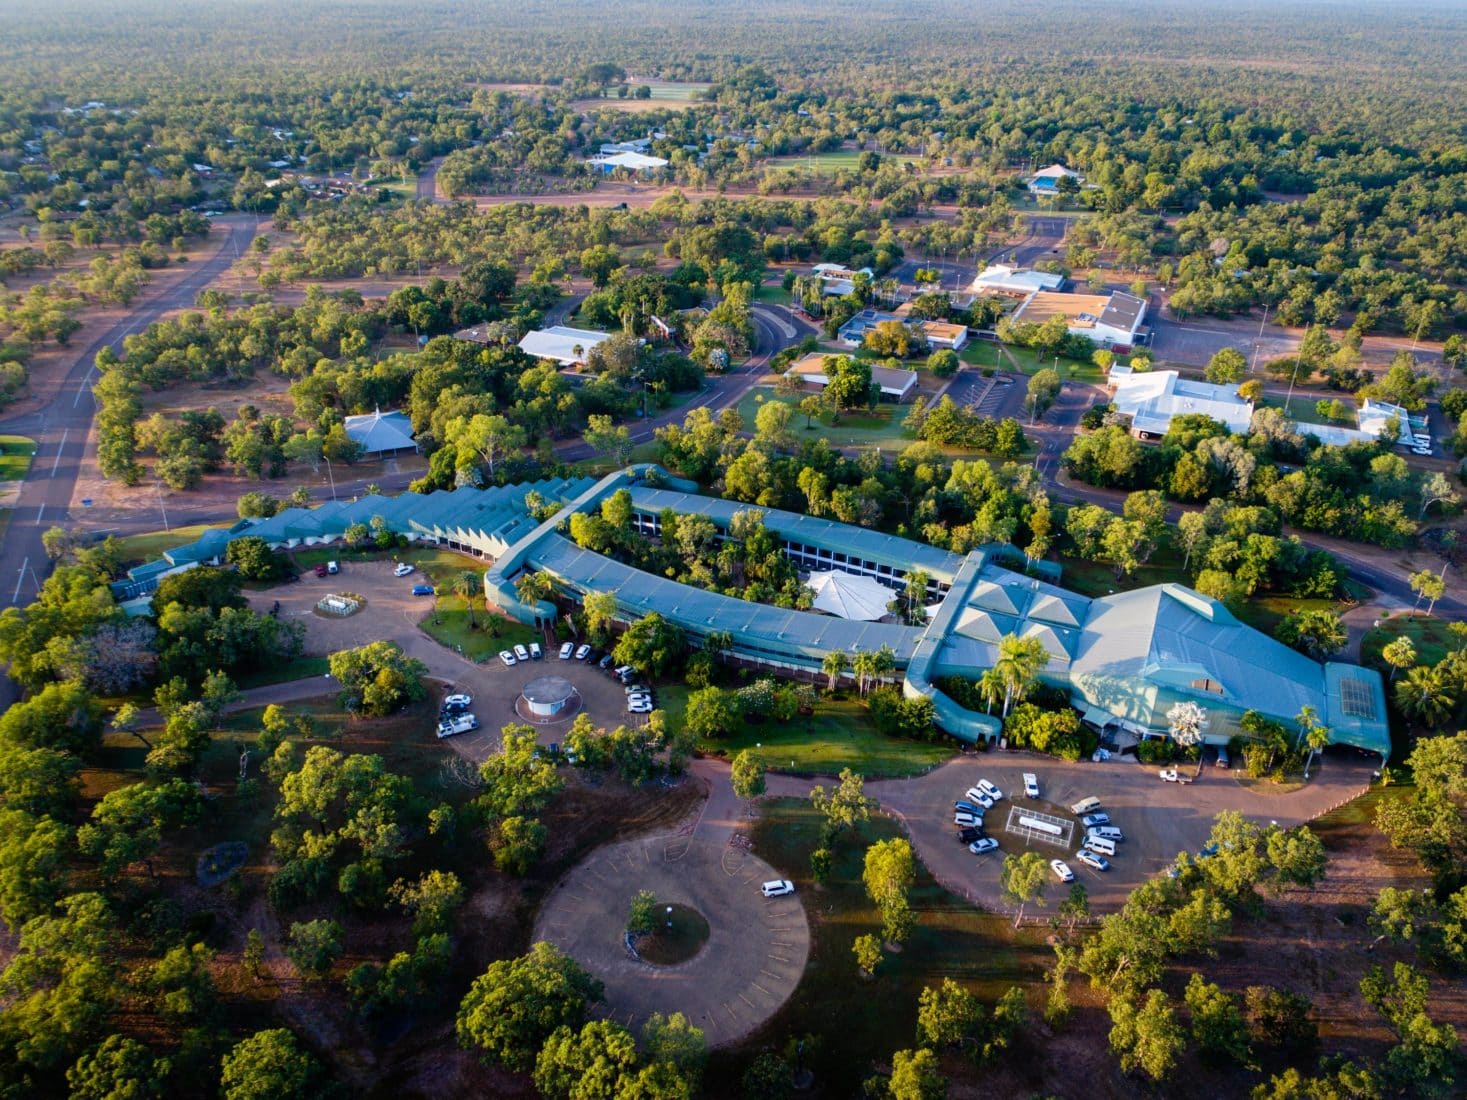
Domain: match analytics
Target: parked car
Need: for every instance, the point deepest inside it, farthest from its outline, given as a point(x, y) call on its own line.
point(621, 672)
point(567, 650)
point(422, 590)
point(990, 790)
point(332, 568)
point(637, 689)
point(1107, 832)
point(521, 653)
point(983, 844)
point(507, 657)
point(640, 697)
point(968, 835)
point(961, 818)
point(402, 569)
point(458, 701)
point(1090, 820)
point(1222, 757)
point(583, 652)
point(778, 888)
point(321, 570)
point(1031, 785)
point(1169, 775)
point(535, 651)
point(605, 662)
point(1091, 859)
point(968, 808)
point(461, 723)
point(1086, 806)
point(641, 706)
point(1061, 870)
point(1103, 845)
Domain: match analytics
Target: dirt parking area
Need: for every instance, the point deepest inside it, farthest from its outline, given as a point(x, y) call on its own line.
point(1158, 819)
point(393, 613)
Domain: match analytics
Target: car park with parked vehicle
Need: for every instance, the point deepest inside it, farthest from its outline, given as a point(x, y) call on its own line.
point(507, 657)
point(402, 569)
point(459, 723)
point(1091, 820)
point(1061, 870)
point(1101, 844)
point(777, 888)
point(1169, 775)
point(1090, 859)
point(968, 808)
point(961, 818)
point(583, 652)
point(983, 844)
point(968, 835)
point(535, 651)
point(1086, 806)
point(1031, 785)
point(521, 653)
point(422, 590)
point(990, 790)
point(1109, 832)
point(458, 701)
point(567, 650)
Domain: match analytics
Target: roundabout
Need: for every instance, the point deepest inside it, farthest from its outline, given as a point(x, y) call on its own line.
point(546, 700)
point(755, 949)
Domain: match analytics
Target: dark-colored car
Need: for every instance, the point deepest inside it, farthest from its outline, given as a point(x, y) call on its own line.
point(422, 590)
point(968, 835)
point(968, 807)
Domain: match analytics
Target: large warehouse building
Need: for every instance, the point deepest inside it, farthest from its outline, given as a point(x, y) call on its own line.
point(1125, 659)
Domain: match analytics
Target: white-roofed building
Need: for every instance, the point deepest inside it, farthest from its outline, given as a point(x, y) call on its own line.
point(1046, 180)
point(633, 162)
point(381, 433)
point(1014, 282)
point(565, 345)
point(1154, 398)
point(849, 596)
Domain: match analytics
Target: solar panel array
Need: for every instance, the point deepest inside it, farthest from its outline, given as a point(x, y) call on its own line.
point(1356, 698)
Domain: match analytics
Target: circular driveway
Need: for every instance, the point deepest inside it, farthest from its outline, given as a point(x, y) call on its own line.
point(756, 950)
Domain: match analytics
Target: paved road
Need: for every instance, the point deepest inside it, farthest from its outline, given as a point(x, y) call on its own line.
point(428, 182)
point(61, 427)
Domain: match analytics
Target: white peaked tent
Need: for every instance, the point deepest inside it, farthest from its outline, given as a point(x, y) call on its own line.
point(850, 596)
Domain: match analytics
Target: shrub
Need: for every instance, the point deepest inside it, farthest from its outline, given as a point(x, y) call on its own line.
point(1156, 750)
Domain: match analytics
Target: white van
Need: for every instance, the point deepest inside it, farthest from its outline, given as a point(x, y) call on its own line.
point(778, 888)
point(459, 723)
point(1031, 785)
point(1102, 844)
point(1110, 832)
point(1085, 806)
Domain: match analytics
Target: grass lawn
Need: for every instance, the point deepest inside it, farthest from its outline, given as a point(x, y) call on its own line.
point(151, 544)
point(827, 164)
point(600, 467)
point(838, 735)
point(674, 91)
point(1302, 408)
point(1093, 578)
point(16, 452)
point(880, 427)
point(1427, 633)
point(297, 669)
point(981, 353)
point(404, 187)
point(449, 626)
point(950, 939)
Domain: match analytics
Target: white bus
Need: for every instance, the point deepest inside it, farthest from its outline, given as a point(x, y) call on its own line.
point(1041, 826)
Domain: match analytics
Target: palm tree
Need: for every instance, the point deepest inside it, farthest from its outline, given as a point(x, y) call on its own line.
point(1019, 663)
point(1399, 654)
point(464, 585)
point(861, 665)
point(1426, 695)
point(883, 661)
point(833, 665)
point(990, 688)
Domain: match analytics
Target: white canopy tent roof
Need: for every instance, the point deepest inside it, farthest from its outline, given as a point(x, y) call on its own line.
point(850, 596)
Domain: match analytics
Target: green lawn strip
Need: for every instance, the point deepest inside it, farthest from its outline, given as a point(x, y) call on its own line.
point(600, 467)
point(1265, 612)
point(951, 939)
point(838, 735)
point(150, 545)
point(1302, 408)
point(16, 452)
point(1427, 633)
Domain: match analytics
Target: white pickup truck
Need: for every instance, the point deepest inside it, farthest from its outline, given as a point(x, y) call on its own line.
point(458, 723)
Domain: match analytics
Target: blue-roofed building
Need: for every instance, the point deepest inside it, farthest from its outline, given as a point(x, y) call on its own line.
point(382, 433)
point(1125, 659)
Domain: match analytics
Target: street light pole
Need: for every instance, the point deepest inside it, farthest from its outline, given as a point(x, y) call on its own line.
point(330, 475)
point(162, 509)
